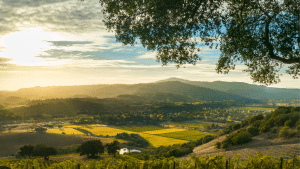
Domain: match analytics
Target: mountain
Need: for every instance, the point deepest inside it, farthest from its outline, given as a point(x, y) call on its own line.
point(170, 90)
point(188, 90)
point(245, 90)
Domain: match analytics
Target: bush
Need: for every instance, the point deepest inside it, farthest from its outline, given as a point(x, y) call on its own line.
point(281, 119)
point(207, 138)
point(256, 123)
point(242, 137)
point(225, 145)
point(289, 123)
point(255, 118)
point(274, 131)
point(44, 151)
point(236, 127)
point(284, 132)
point(253, 131)
point(91, 148)
point(41, 129)
point(26, 150)
point(218, 145)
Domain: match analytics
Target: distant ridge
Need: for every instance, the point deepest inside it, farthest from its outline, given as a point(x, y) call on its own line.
point(172, 89)
point(246, 90)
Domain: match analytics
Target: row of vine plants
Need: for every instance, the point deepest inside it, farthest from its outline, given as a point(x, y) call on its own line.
point(258, 161)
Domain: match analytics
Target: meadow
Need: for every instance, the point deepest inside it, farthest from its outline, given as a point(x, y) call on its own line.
point(140, 128)
point(190, 135)
point(68, 131)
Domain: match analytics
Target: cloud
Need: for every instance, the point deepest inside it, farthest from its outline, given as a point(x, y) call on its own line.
point(149, 55)
point(55, 15)
point(68, 43)
point(29, 3)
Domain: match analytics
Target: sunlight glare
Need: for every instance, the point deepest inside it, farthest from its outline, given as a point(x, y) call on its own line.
point(23, 46)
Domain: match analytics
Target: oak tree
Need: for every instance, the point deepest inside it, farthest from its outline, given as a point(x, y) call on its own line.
point(264, 35)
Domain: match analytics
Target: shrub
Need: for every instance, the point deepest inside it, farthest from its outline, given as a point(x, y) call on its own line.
point(256, 123)
point(274, 131)
point(91, 148)
point(253, 131)
point(236, 126)
point(255, 118)
point(26, 150)
point(225, 145)
point(289, 123)
point(44, 151)
point(284, 132)
point(207, 139)
point(218, 145)
point(41, 129)
point(281, 119)
point(242, 137)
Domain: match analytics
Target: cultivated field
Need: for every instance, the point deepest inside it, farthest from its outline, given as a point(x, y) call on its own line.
point(68, 131)
point(171, 130)
point(10, 143)
point(140, 128)
point(190, 135)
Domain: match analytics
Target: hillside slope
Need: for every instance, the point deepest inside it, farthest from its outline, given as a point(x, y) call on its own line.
point(266, 143)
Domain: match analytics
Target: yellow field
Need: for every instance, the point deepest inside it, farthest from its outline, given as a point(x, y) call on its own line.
point(97, 125)
point(72, 126)
point(17, 131)
point(164, 131)
point(157, 141)
point(68, 131)
point(106, 131)
point(154, 140)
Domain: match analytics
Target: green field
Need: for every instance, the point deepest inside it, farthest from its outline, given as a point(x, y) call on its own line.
point(189, 125)
point(190, 135)
point(139, 128)
point(258, 108)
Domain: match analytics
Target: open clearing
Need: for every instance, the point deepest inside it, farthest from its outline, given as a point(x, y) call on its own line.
point(11, 142)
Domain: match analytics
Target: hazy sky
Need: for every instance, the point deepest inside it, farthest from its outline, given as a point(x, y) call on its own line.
point(64, 42)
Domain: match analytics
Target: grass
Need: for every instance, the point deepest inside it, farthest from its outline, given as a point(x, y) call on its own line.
point(189, 125)
point(190, 135)
point(258, 108)
point(164, 131)
point(16, 131)
point(157, 141)
point(140, 128)
point(106, 131)
point(68, 131)
point(154, 140)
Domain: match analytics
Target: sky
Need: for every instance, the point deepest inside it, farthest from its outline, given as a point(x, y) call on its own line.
point(65, 42)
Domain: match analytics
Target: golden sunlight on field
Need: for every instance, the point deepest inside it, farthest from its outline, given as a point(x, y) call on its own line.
point(164, 131)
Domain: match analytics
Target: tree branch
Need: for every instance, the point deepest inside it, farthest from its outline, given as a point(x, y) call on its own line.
point(271, 48)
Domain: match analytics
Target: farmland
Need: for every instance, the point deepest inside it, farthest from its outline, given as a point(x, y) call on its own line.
point(190, 135)
point(68, 131)
point(164, 131)
point(140, 128)
point(11, 142)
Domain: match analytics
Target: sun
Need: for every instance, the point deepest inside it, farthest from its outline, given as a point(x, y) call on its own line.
point(24, 46)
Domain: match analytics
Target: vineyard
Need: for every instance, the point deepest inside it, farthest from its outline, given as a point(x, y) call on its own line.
point(123, 162)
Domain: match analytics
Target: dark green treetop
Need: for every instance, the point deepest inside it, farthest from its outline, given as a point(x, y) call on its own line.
point(264, 35)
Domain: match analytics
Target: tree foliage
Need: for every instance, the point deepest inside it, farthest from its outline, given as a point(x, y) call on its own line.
point(113, 147)
point(264, 35)
point(43, 150)
point(26, 150)
point(91, 148)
